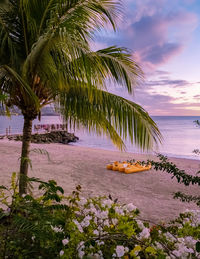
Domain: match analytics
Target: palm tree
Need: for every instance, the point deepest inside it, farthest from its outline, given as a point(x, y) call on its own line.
point(45, 57)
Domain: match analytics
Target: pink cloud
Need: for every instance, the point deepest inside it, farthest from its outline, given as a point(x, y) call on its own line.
point(156, 36)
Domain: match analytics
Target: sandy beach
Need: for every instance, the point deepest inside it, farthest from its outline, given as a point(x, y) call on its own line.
point(70, 166)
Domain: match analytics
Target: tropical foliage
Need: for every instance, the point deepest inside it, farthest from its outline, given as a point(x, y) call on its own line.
point(180, 175)
point(55, 226)
point(45, 57)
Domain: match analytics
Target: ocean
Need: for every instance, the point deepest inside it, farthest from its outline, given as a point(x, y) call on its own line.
point(180, 134)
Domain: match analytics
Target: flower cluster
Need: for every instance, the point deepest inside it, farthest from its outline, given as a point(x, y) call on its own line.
point(93, 228)
point(102, 228)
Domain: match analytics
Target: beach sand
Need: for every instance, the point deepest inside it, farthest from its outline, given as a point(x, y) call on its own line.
point(70, 166)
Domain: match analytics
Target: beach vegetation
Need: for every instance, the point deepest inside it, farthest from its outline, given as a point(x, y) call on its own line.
point(53, 225)
point(182, 177)
point(46, 57)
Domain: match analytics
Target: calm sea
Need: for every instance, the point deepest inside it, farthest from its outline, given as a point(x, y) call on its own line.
point(180, 135)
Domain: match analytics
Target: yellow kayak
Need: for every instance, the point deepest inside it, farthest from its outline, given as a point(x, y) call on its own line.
point(137, 168)
point(116, 165)
point(127, 167)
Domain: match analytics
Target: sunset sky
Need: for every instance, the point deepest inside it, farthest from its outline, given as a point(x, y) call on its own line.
point(164, 36)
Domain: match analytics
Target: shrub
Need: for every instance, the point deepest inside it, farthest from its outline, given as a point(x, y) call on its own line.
point(55, 226)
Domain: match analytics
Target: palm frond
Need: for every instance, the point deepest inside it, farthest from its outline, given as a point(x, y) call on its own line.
point(120, 66)
point(61, 69)
point(11, 36)
point(126, 118)
point(49, 58)
point(11, 79)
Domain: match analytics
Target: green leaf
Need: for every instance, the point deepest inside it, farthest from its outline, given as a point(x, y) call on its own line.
point(150, 250)
point(198, 247)
point(3, 187)
point(135, 251)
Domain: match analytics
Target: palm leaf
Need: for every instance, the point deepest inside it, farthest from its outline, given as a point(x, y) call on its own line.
point(110, 114)
point(16, 80)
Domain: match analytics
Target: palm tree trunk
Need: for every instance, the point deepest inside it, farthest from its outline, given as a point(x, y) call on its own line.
point(26, 140)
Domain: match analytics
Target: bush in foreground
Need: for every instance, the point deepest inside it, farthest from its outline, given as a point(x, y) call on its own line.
point(55, 226)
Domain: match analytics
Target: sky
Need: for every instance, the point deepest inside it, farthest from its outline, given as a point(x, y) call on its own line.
point(164, 39)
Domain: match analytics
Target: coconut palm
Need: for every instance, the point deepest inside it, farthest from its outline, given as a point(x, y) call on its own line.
point(45, 57)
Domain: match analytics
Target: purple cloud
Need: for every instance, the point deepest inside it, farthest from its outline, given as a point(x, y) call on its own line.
point(159, 54)
point(155, 32)
point(157, 104)
point(168, 82)
point(161, 73)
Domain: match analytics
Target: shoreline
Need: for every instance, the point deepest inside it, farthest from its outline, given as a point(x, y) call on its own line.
point(138, 153)
point(71, 165)
point(187, 135)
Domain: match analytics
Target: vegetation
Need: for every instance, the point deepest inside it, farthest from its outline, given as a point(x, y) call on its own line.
point(182, 177)
point(45, 57)
point(55, 226)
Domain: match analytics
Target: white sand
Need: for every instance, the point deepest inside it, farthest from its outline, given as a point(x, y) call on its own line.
point(150, 191)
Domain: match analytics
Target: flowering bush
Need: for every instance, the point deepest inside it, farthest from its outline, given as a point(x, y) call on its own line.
point(54, 226)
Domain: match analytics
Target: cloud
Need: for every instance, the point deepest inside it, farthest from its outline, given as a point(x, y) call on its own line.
point(160, 54)
point(161, 73)
point(155, 30)
point(169, 82)
point(152, 37)
point(158, 104)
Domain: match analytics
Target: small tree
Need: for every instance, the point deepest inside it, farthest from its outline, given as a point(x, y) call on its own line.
point(181, 176)
point(45, 57)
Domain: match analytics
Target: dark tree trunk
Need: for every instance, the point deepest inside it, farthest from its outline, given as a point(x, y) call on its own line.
point(27, 130)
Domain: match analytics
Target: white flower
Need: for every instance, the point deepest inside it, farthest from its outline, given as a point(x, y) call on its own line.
point(92, 206)
point(82, 201)
point(145, 233)
point(120, 251)
point(140, 224)
point(99, 243)
point(81, 254)
point(93, 210)
point(119, 211)
point(96, 232)
point(158, 245)
point(88, 217)
point(170, 237)
point(107, 203)
point(95, 220)
point(61, 252)
point(130, 207)
point(23, 195)
point(78, 225)
point(114, 221)
point(177, 253)
point(103, 214)
point(190, 242)
point(56, 229)
point(81, 244)
point(99, 255)
point(126, 249)
point(106, 223)
point(85, 223)
point(65, 241)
